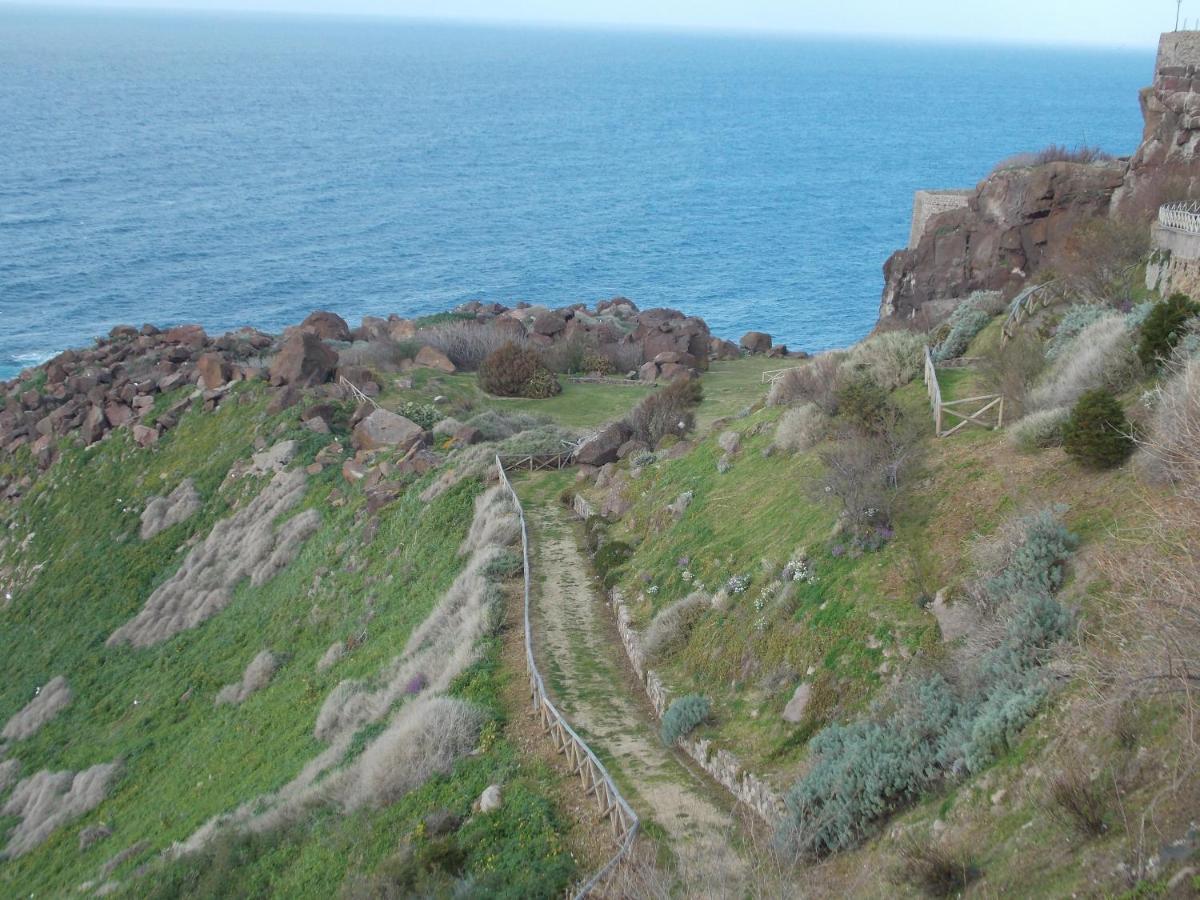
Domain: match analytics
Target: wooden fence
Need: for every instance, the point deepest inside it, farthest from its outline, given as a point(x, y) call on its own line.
point(536, 462)
point(773, 375)
point(1025, 304)
point(596, 780)
point(941, 409)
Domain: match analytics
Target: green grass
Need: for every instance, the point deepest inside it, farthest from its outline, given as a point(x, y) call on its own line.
point(184, 759)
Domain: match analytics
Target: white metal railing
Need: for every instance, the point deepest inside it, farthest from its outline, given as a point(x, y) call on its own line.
point(583, 761)
point(1184, 217)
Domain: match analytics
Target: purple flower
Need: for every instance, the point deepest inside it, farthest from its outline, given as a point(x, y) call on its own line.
point(416, 684)
point(837, 550)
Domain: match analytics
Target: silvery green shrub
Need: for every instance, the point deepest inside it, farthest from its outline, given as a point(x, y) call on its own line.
point(682, 717)
point(1074, 320)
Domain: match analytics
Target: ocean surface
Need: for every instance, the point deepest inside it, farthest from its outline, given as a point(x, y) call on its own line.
point(234, 170)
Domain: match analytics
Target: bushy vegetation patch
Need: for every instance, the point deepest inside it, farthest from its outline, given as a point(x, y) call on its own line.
point(891, 359)
point(1173, 448)
point(1164, 327)
point(800, 428)
point(816, 381)
point(670, 628)
point(1074, 320)
point(935, 869)
point(683, 716)
point(1101, 356)
point(424, 414)
point(668, 411)
point(968, 319)
point(514, 371)
point(1039, 430)
point(936, 729)
point(1097, 433)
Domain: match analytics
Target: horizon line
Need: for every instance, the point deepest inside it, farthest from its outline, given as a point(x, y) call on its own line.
point(782, 33)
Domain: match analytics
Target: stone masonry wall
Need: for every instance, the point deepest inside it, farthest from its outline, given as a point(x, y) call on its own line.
point(927, 204)
point(721, 765)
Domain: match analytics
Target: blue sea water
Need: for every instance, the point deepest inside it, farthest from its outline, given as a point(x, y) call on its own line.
point(235, 170)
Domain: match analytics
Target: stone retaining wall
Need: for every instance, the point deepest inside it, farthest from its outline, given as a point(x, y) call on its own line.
point(927, 204)
point(721, 765)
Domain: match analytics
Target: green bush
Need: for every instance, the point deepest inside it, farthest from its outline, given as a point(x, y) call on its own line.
point(513, 371)
point(968, 319)
point(1164, 327)
point(862, 402)
point(1097, 434)
point(863, 771)
point(1035, 565)
point(682, 717)
point(595, 363)
point(610, 557)
point(1074, 321)
point(424, 414)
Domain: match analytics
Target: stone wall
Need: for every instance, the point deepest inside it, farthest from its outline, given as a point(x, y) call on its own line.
point(1178, 50)
point(927, 204)
point(1175, 263)
point(721, 765)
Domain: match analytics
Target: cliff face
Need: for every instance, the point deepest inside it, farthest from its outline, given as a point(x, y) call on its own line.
point(1012, 222)
point(1166, 165)
point(1018, 218)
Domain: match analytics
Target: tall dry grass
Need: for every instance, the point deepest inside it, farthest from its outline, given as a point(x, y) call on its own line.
point(53, 698)
point(47, 800)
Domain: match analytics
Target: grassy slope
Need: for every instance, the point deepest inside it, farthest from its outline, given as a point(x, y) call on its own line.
point(184, 759)
point(764, 509)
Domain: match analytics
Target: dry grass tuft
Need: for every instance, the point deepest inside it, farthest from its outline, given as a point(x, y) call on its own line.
point(245, 545)
point(9, 770)
point(800, 428)
point(669, 630)
point(1080, 803)
point(814, 382)
point(1171, 454)
point(46, 800)
point(891, 359)
point(256, 677)
point(425, 738)
point(163, 512)
point(331, 656)
point(495, 522)
point(1102, 356)
point(934, 869)
point(54, 697)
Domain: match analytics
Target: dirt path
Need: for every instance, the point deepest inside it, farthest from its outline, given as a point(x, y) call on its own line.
point(584, 667)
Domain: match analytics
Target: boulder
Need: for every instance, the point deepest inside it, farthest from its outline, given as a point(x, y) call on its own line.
point(648, 372)
point(432, 358)
point(145, 435)
point(383, 428)
point(602, 448)
point(92, 428)
point(118, 414)
point(719, 349)
point(214, 371)
point(326, 325)
point(756, 341)
point(794, 711)
point(491, 799)
point(549, 323)
point(187, 335)
point(401, 329)
point(467, 435)
point(303, 361)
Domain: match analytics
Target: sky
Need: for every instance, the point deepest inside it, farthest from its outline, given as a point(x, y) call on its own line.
point(1133, 23)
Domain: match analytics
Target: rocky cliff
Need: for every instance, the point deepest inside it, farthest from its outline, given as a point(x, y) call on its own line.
point(1019, 217)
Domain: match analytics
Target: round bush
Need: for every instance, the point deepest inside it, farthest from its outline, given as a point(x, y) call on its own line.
point(1097, 434)
point(1164, 326)
point(682, 717)
point(513, 371)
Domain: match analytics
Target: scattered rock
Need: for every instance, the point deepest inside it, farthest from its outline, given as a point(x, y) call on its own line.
point(491, 799)
point(756, 341)
point(326, 325)
point(794, 711)
point(602, 448)
point(214, 371)
point(303, 361)
point(274, 460)
point(384, 428)
point(432, 358)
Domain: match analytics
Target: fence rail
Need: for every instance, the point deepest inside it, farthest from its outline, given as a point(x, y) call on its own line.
point(536, 462)
point(1184, 217)
point(773, 375)
point(954, 408)
point(1025, 304)
point(596, 780)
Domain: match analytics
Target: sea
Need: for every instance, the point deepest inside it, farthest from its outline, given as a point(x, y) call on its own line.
point(234, 169)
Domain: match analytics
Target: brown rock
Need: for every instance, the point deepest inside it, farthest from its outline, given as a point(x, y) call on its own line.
point(648, 372)
point(602, 448)
point(433, 358)
point(93, 425)
point(187, 335)
point(549, 323)
point(353, 471)
point(468, 435)
point(326, 325)
point(214, 370)
point(756, 341)
point(118, 414)
point(383, 428)
point(401, 329)
point(303, 361)
point(145, 435)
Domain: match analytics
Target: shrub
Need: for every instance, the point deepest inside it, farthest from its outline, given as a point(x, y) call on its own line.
point(1039, 430)
point(1053, 153)
point(667, 411)
point(800, 428)
point(1173, 452)
point(1099, 258)
point(496, 426)
point(1074, 320)
point(1026, 557)
point(891, 359)
point(683, 716)
point(467, 343)
point(1097, 434)
point(1164, 327)
point(935, 869)
point(513, 371)
point(969, 318)
point(670, 628)
point(1080, 803)
point(816, 382)
point(595, 363)
point(1009, 368)
point(862, 402)
point(1100, 356)
point(424, 414)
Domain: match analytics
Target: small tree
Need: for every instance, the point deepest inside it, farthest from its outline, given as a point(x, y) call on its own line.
point(1164, 327)
point(668, 411)
point(513, 371)
point(1097, 434)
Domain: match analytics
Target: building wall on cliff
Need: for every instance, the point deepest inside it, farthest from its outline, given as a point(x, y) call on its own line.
point(927, 204)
